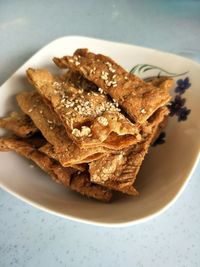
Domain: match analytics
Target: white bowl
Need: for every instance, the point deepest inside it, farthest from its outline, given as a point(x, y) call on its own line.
point(165, 171)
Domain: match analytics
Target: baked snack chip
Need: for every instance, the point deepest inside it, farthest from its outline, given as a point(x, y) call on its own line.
point(118, 171)
point(48, 150)
point(138, 98)
point(91, 127)
point(66, 176)
point(163, 82)
point(89, 118)
point(19, 124)
point(67, 152)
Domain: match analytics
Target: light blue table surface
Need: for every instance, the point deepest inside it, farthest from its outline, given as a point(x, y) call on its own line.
point(30, 237)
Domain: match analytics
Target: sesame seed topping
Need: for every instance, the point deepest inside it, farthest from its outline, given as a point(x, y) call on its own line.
point(100, 90)
point(92, 71)
point(75, 104)
point(57, 85)
point(85, 131)
point(30, 110)
point(102, 120)
point(108, 64)
point(116, 103)
point(77, 63)
point(110, 67)
point(143, 111)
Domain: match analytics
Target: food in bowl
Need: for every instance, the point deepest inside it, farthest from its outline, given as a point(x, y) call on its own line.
point(90, 128)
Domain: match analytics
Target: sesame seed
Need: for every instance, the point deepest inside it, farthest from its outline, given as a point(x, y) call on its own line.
point(85, 131)
point(112, 70)
point(92, 71)
point(102, 120)
point(30, 110)
point(108, 64)
point(143, 111)
point(100, 90)
point(115, 103)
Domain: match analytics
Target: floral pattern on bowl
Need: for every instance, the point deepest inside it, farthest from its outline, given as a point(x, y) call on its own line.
point(177, 105)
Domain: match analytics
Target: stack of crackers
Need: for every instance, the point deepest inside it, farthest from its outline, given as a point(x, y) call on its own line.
point(90, 128)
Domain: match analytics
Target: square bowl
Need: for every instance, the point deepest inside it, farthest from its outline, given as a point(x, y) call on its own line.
point(165, 170)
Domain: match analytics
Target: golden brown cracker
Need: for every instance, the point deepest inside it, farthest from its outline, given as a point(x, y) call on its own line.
point(138, 98)
point(20, 124)
point(118, 170)
point(67, 176)
point(88, 117)
point(68, 153)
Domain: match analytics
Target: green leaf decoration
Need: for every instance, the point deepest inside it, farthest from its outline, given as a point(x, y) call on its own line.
point(142, 68)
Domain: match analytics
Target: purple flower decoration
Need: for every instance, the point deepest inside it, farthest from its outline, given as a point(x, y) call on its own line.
point(160, 140)
point(183, 114)
point(182, 85)
point(176, 105)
